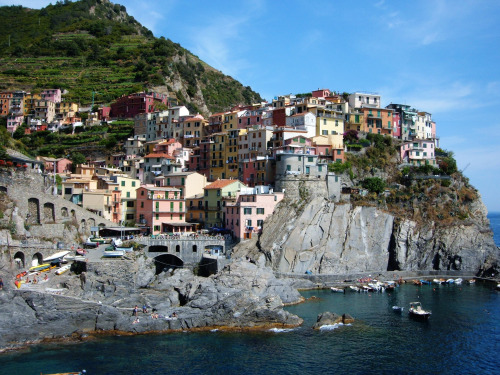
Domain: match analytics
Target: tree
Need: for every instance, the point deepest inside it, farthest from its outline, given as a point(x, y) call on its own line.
point(77, 158)
point(374, 184)
point(350, 136)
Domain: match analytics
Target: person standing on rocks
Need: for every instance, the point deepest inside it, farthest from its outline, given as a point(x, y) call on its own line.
point(83, 279)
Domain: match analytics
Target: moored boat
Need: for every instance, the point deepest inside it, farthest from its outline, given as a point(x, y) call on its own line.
point(337, 290)
point(57, 256)
point(416, 311)
point(355, 288)
point(63, 269)
point(40, 267)
point(459, 281)
point(437, 281)
point(397, 309)
point(112, 253)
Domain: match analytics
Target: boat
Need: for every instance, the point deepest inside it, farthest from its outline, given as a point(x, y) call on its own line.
point(450, 281)
point(417, 282)
point(397, 309)
point(40, 267)
point(63, 269)
point(427, 282)
point(337, 290)
point(437, 281)
point(112, 253)
point(472, 281)
point(56, 256)
point(126, 249)
point(459, 281)
point(416, 311)
point(355, 288)
point(83, 372)
point(81, 251)
point(98, 240)
point(498, 286)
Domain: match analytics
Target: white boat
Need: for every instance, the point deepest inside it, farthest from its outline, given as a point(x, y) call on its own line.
point(472, 281)
point(459, 281)
point(113, 253)
point(498, 286)
point(398, 309)
point(56, 256)
point(417, 312)
point(63, 269)
point(355, 288)
point(437, 281)
point(337, 290)
point(450, 281)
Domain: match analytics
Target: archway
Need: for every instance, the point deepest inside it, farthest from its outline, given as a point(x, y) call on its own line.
point(37, 259)
point(92, 222)
point(166, 262)
point(33, 211)
point(3, 189)
point(83, 225)
point(158, 249)
point(19, 259)
point(49, 215)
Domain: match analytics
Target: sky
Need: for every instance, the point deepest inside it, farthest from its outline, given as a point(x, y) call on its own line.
point(439, 56)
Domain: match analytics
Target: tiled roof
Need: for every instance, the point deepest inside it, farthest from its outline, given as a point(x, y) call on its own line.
point(166, 156)
point(219, 184)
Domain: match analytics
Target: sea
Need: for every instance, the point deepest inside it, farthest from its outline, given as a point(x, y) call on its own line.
point(462, 336)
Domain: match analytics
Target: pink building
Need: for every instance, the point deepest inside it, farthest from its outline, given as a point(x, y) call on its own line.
point(323, 93)
point(129, 106)
point(103, 113)
point(162, 210)
point(13, 122)
point(52, 95)
point(396, 125)
point(253, 205)
point(418, 152)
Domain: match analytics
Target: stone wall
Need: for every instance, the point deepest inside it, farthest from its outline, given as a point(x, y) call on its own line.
point(31, 193)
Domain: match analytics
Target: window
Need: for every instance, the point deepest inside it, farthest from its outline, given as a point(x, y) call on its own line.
point(260, 211)
point(260, 223)
point(300, 158)
point(180, 217)
point(142, 204)
point(133, 183)
point(324, 121)
point(157, 216)
point(123, 183)
point(130, 217)
point(248, 223)
point(247, 211)
point(168, 181)
point(324, 132)
point(180, 206)
point(339, 152)
point(310, 159)
point(131, 203)
point(157, 206)
point(302, 140)
point(288, 167)
point(195, 248)
point(142, 192)
point(206, 193)
point(307, 170)
point(178, 248)
point(218, 192)
point(320, 168)
point(171, 206)
point(156, 228)
point(128, 194)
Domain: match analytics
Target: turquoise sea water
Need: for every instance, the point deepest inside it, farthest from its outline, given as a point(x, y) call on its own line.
point(461, 337)
point(495, 226)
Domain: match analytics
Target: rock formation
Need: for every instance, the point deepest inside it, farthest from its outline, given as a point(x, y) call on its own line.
point(318, 235)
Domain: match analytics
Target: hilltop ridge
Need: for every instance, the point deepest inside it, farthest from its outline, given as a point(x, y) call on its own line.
point(94, 47)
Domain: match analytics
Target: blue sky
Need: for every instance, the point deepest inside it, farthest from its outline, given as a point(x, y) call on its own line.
point(440, 56)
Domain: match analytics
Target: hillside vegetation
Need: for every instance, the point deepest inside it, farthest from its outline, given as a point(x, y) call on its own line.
point(95, 46)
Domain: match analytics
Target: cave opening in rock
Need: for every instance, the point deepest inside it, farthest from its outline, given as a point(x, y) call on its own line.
point(165, 262)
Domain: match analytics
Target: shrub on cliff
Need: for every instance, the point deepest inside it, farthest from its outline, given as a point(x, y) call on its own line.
point(374, 184)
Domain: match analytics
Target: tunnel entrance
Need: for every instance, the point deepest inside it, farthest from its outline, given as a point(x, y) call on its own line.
point(167, 261)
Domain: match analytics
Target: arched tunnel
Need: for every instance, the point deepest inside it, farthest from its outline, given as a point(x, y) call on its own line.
point(166, 262)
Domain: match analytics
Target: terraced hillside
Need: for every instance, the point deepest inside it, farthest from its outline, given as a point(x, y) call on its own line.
point(93, 48)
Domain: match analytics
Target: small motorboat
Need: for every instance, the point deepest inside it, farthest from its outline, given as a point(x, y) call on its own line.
point(426, 282)
point(83, 372)
point(63, 269)
point(355, 288)
point(40, 267)
point(398, 309)
point(472, 281)
point(450, 281)
point(111, 252)
point(417, 282)
point(437, 281)
point(98, 240)
point(416, 311)
point(56, 256)
point(337, 290)
point(498, 286)
point(459, 281)
point(81, 251)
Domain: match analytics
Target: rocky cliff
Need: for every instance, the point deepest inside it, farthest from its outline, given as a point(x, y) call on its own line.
point(309, 232)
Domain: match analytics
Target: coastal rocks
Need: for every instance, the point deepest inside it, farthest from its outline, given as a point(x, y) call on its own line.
point(323, 237)
point(329, 319)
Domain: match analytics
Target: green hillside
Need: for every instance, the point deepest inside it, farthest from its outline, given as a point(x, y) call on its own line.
point(94, 45)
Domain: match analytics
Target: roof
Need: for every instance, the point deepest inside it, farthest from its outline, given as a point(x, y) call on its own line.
point(158, 155)
point(220, 184)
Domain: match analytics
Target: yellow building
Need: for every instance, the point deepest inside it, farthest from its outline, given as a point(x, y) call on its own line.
point(30, 103)
point(328, 121)
point(218, 156)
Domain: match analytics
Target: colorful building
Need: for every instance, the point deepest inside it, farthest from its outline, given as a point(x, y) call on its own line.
point(245, 218)
point(129, 106)
point(216, 195)
point(418, 152)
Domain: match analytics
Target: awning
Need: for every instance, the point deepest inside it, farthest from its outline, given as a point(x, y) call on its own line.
point(123, 229)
